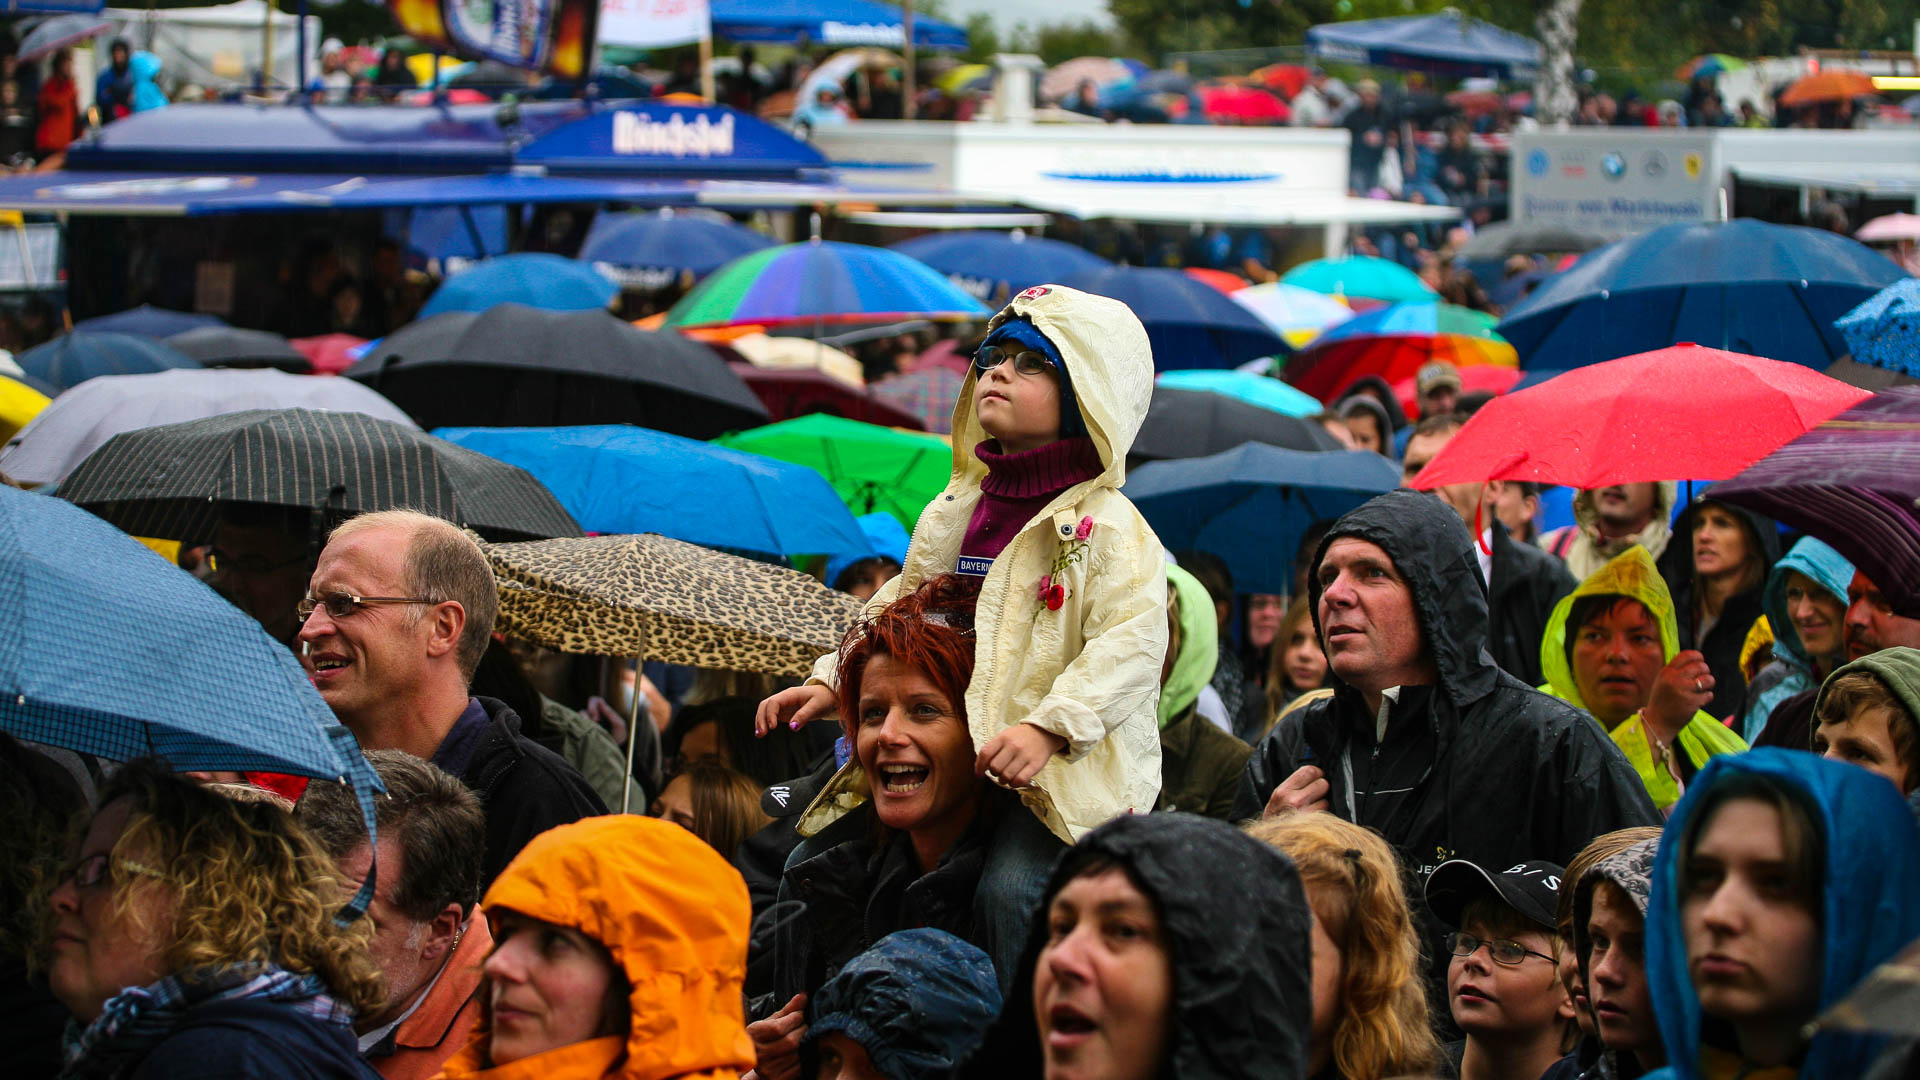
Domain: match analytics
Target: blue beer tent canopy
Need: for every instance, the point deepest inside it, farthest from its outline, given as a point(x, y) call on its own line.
point(1446, 43)
point(833, 23)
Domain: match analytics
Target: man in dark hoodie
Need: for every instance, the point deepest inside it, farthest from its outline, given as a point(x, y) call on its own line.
point(396, 618)
point(1425, 740)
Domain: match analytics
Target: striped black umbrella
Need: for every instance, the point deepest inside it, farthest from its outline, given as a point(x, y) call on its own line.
point(168, 481)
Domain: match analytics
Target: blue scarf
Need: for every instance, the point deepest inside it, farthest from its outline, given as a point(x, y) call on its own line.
point(138, 1018)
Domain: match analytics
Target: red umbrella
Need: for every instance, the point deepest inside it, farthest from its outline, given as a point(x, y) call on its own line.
point(328, 352)
point(1286, 78)
point(1242, 103)
point(1680, 413)
point(791, 392)
point(1224, 280)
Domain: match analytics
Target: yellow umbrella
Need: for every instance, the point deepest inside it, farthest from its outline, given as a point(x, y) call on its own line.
point(952, 81)
point(19, 403)
point(420, 65)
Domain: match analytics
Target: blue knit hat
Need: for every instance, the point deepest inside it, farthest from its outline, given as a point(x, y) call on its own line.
point(1022, 331)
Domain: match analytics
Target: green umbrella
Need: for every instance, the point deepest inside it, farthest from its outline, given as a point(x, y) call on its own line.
point(875, 469)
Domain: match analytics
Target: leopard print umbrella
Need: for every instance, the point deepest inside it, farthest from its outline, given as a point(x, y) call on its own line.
point(666, 600)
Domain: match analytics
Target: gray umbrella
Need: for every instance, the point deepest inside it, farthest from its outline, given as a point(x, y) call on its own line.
point(60, 32)
point(232, 346)
point(1504, 238)
point(81, 420)
point(168, 481)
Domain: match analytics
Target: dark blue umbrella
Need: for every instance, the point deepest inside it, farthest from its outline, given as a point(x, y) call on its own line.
point(1745, 286)
point(615, 478)
point(148, 321)
point(1884, 331)
point(1250, 505)
point(1190, 323)
point(652, 250)
point(1448, 43)
point(993, 265)
point(73, 358)
point(81, 668)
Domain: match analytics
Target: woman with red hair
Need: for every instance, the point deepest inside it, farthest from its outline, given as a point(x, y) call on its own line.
point(912, 853)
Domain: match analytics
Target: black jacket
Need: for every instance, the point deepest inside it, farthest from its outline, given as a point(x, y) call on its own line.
point(1242, 1002)
point(1722, 644)
point(244, 1040)
point(1480, 766)
point(1527, 583)
point(525, 788)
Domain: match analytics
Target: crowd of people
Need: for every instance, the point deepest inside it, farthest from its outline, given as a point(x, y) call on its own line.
point(1470, 801)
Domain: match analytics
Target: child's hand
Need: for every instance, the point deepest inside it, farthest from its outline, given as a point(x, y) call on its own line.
point(793, 706)
point(1016, 754)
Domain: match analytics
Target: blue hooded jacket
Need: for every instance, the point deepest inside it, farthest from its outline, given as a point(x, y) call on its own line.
point(918, 1002)
point(1872, 877)
point(1792, 670)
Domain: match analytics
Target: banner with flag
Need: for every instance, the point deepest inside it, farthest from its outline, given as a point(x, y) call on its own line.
point(649, 24)
point(552, 36)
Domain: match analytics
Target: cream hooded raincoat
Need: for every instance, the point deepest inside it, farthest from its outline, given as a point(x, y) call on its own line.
point(1088, 672)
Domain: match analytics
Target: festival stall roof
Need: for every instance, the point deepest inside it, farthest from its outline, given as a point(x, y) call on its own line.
point(633, 138)
point(834, 23)
point(1446, 43)
point(162, 194)
point(1887, 179)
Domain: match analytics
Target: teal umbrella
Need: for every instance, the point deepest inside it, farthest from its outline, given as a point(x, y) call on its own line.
point(1268, 393)
point(1361, 276)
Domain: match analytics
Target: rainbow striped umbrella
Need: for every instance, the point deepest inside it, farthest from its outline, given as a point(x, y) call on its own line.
point(1394, 343)
point(823, 282)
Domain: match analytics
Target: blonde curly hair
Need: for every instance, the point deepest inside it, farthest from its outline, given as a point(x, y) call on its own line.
point(249, 886)
point(1353, 884)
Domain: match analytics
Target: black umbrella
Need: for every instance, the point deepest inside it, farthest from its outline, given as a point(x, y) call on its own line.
point(515, 366)
point(1504, 238)
point(230, 346)
point(168, 481)
point(1195, 423)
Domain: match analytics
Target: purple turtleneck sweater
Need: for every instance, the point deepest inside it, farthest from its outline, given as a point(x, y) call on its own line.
point(1018, 486)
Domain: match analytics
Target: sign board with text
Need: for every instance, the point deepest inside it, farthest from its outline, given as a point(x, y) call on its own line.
point(648, 24)
point(1615, 181)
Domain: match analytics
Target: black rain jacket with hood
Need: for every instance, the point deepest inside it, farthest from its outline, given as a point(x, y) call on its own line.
point(1722, 642)
point(1480, 766)
point(1242, 1001)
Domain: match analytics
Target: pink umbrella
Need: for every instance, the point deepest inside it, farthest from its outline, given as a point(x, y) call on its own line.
point(329, 353)
point(1890, 227)
point(945, 353)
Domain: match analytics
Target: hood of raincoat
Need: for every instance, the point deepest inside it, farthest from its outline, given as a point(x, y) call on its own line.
point(1242, 1001)
point(1433, 552)
point(1199, 645)
point(1104, 347)
point(1828, 568)
point(1898, 667)
point(1631, 573)
point(1871, 876)
point(1388, 401)
point(675, 917)
point(918, 1002)
point(1632, 871)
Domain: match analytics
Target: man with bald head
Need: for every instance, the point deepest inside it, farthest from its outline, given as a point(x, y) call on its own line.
point(397, 614)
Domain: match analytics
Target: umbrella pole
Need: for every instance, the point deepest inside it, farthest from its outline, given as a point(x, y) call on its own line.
point(633, 737)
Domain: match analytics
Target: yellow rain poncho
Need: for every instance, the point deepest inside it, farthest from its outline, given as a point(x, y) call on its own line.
point(1632, 574)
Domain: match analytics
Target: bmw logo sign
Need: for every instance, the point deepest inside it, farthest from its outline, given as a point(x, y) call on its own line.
point(1614, 164)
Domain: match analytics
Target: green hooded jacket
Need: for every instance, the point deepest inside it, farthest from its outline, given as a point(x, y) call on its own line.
point(1200, 764)
point(1633, 574)
point(1898, 667)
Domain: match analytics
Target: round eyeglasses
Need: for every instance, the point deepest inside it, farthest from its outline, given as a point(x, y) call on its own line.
point(1510, 953)
point(1025, 361)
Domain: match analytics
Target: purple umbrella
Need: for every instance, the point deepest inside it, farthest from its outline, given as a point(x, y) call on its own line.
point(1852, 482)
point(929, 393)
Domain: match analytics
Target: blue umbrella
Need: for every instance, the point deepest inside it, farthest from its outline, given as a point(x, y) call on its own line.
point(80, 671)
point(73, 358)
point(1250, 505)
point(1191, 324)
point(615, 478)
point(1448, 43)
point(535, 279)
point(1884, 331)
point(993, 265)
point(653, 250)
point(1248, 387)
point(148, 321)
point(1746, 286)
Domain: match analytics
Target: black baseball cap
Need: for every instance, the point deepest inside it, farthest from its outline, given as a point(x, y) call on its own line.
point(1530, 888)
